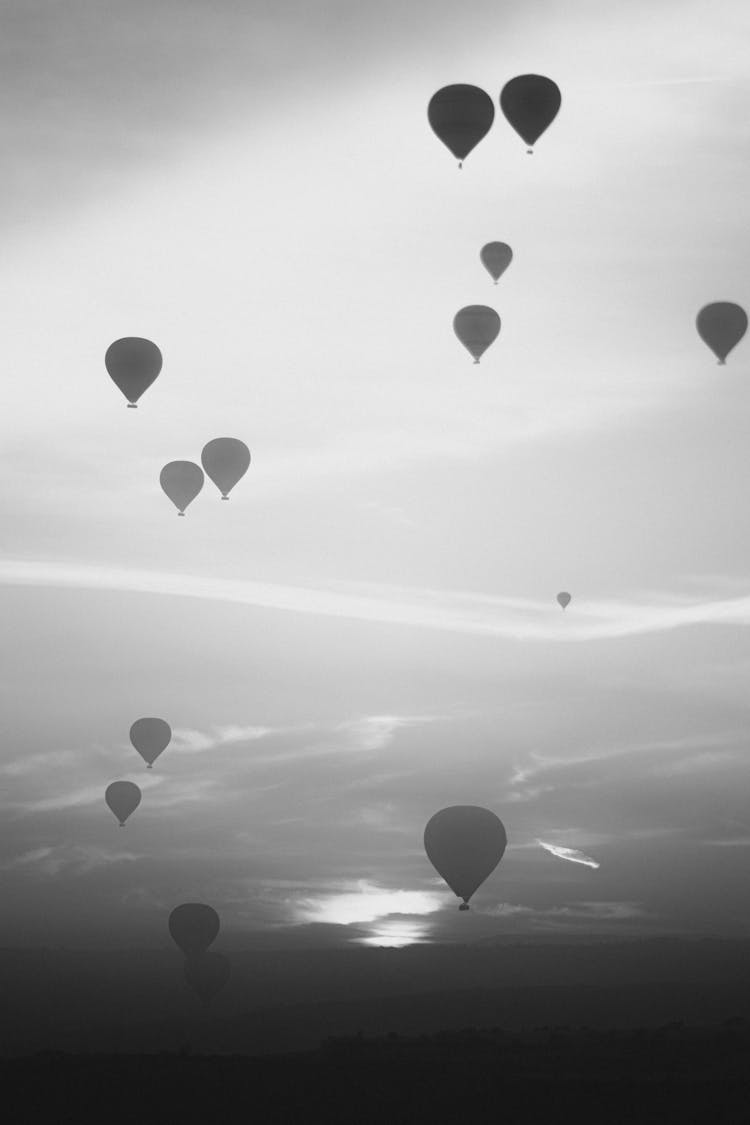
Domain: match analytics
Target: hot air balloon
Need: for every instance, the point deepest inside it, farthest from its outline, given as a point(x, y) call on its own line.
point(721, 326)
point(530, 103)
point(193, 927)
point(225, 460)
point(564, 599)
point(182, 481)
point(207, 974)
point(476, 327)
point(133, 363)
point(460, 116)
point(150, 737)
point(123, 797)
point(464, 843)
point(496, 257)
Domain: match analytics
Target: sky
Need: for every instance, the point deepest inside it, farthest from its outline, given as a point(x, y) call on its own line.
point(367, 632)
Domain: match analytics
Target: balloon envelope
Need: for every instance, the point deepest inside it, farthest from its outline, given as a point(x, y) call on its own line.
point(464, 843)
point(530, 103)
point(476, 327)
point(460, 116)
point(182, 481)
point(496, 257)
point(225, 460)
point(193, 927)
point(123, 798)
point(133, 363)
point(564, 599)
point(207, 974)
point(150, 737)
point(721, 325)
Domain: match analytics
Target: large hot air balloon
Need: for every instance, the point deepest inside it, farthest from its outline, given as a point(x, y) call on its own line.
point(460, 116)
point(207, 974)
point(123, 798)
point(133, 363)
point(464, 843)
point(530, 103)
point(225, 460)
point(564, 599)
point(193, 927)
point(150, 737)
point(721, 326)
point(496, 257)
point(476, 327)
point(182, 481)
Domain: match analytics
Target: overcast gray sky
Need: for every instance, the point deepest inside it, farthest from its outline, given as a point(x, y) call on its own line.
point(368, 631)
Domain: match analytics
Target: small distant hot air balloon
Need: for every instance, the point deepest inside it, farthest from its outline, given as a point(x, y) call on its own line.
point(496, 257)
point(150, 737)
point(225, 460)
point(123, 798)
point(182, 481)
point(193, 927)
point(564, 599)
point(133, 363)
point(464, 843)
point(721, 325)
point(476, 327)
point(460, 116)
point(207, 974)
point(530, 103)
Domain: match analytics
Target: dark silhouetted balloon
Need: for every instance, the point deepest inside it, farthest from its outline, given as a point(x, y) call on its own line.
point(150, 737)
point(476, 327)
point(207, 974)
point(721, 326)
point(193, 927)
point(182, 481)
point(226, 460)
point(496, 257)
point(123, 797)
point(530, 103)
point(133, 363)
point(464, 843)
point(564, 599)
point(460, 116)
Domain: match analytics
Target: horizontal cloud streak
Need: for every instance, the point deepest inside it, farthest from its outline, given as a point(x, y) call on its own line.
point(458, 612)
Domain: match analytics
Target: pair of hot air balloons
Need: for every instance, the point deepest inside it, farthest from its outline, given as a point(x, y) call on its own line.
point(464, 843)
point(225, 460)
point(462, 115)
point(150, 737)
point(194, 926)
point(478, 326)
point(721, 326)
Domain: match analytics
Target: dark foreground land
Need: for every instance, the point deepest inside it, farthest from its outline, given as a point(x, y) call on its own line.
point(673, 1074)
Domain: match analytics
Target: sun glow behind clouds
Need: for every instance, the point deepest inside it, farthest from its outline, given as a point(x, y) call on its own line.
point(396, 934)
point(367, 903)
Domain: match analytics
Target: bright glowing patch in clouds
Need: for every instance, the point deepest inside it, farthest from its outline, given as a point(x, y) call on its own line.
point(395, 935)
point(366, 904)
point(571, 854)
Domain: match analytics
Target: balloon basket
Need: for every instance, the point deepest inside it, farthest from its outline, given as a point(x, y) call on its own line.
point(132, 406)
point(464, 906)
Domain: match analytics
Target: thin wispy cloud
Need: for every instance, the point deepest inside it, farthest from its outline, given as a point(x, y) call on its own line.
point(490, 616)
point(573, 855)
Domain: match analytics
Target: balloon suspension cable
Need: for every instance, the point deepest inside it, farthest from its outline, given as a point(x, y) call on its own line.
point(132, 406)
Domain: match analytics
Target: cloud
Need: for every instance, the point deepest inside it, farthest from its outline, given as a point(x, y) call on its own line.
point(189, 741)
point(70, 859)
point(33, 763)
point(571, 854)
point(450, 611)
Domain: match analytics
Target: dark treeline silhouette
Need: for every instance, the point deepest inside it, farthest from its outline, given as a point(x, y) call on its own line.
point(671, 1074)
